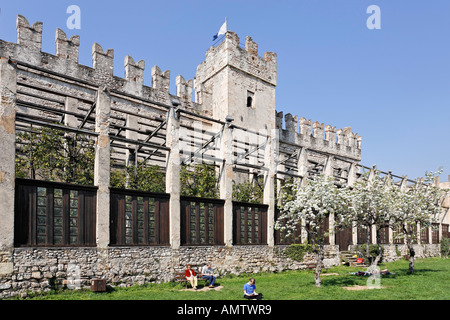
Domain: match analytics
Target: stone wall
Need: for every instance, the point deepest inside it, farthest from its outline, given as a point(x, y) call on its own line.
point(43, 269)
point(393, 252)
point(40, 270)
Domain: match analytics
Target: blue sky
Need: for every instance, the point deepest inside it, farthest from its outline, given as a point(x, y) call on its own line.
point(391, 85)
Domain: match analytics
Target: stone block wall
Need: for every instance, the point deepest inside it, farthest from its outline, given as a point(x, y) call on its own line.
point(41, 270)
point(394, 252)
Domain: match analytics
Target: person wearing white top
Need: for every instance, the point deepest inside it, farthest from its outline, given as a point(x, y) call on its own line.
point(208, 274)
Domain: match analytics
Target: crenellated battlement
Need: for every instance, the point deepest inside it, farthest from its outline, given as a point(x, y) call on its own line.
point(67, 49)
point(29, 36)
point(229, 53)
point(28, 49)
point(102, 61)
point(184, 88)
point(233, 80)
point(317, 136)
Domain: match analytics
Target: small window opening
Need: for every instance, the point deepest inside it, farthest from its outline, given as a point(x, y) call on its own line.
point(250, 102)
point(250, 96)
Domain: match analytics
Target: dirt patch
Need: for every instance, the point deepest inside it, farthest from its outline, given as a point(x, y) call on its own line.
point(329, 274)
point(218, 288)
point(357, 288)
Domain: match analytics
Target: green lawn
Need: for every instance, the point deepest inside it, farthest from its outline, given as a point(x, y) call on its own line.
point(431, 281)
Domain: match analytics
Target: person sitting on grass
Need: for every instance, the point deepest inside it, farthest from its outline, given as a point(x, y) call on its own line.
point(250, 290)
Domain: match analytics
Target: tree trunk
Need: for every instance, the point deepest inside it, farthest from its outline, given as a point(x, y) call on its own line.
point(369, 232)
point(412, 253)
point(319, 264)
point(378, 257)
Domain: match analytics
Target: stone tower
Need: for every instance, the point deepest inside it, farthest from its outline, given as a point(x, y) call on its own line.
point(238, 82)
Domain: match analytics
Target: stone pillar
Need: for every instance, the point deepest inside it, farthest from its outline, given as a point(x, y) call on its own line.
point(270, 161)
point(302, 164)
point(329, 173)
point(352, 176)
point(390, 230)
point(226, 181)
point(302, 167)
point(373, 228)
point(173, 183)
point(8, 90)
point(130, 152)
point(280, 179)
point(102, 166)
point(71, 106)
point(328, 169)
point(430, 235)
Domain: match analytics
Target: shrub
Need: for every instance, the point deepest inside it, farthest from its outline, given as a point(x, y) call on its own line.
point(199, 180)
point(248, 192)
point(445, 247)
point(373, 252)
point(297, 252)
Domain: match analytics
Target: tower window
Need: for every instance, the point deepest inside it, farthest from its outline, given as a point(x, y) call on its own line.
point(250, 99)
point(249, 102)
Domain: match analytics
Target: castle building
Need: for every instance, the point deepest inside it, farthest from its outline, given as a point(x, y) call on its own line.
point(49, 228)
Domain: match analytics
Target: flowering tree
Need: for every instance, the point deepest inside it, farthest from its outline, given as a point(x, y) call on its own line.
point(371, 204)
point(312, 202)
point(418, 206)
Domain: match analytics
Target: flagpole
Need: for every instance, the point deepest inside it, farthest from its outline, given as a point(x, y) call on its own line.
point(220, 32)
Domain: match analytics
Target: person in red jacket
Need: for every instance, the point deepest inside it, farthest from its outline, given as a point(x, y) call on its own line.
point(191, 276)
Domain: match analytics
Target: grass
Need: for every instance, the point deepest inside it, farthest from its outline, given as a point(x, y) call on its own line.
point(431, 281)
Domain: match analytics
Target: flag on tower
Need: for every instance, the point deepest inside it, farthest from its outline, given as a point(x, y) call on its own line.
point(222, 30)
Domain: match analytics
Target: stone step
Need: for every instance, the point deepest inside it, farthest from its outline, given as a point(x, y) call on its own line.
point(354, 264)
point(351, 259)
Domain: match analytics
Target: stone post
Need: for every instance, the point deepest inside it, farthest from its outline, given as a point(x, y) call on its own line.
point(373, 229)
point(280, 179)
point(8, 91)
point(302, 166)
point(390, 230)
point(329, 174)
point(102, 166)
point(71, 106)
point(226, 181)
point(404, 188)
point(173, 183)
point(130, 152)
point(270, 161)
point(352, 176)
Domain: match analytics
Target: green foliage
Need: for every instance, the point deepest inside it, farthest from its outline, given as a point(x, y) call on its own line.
point(249, 192)
point(445, 247)
point(53, 155)
point(297, 252)
point(199, 180)
point(373, 251)
point(287, 190)
point(140, 178)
